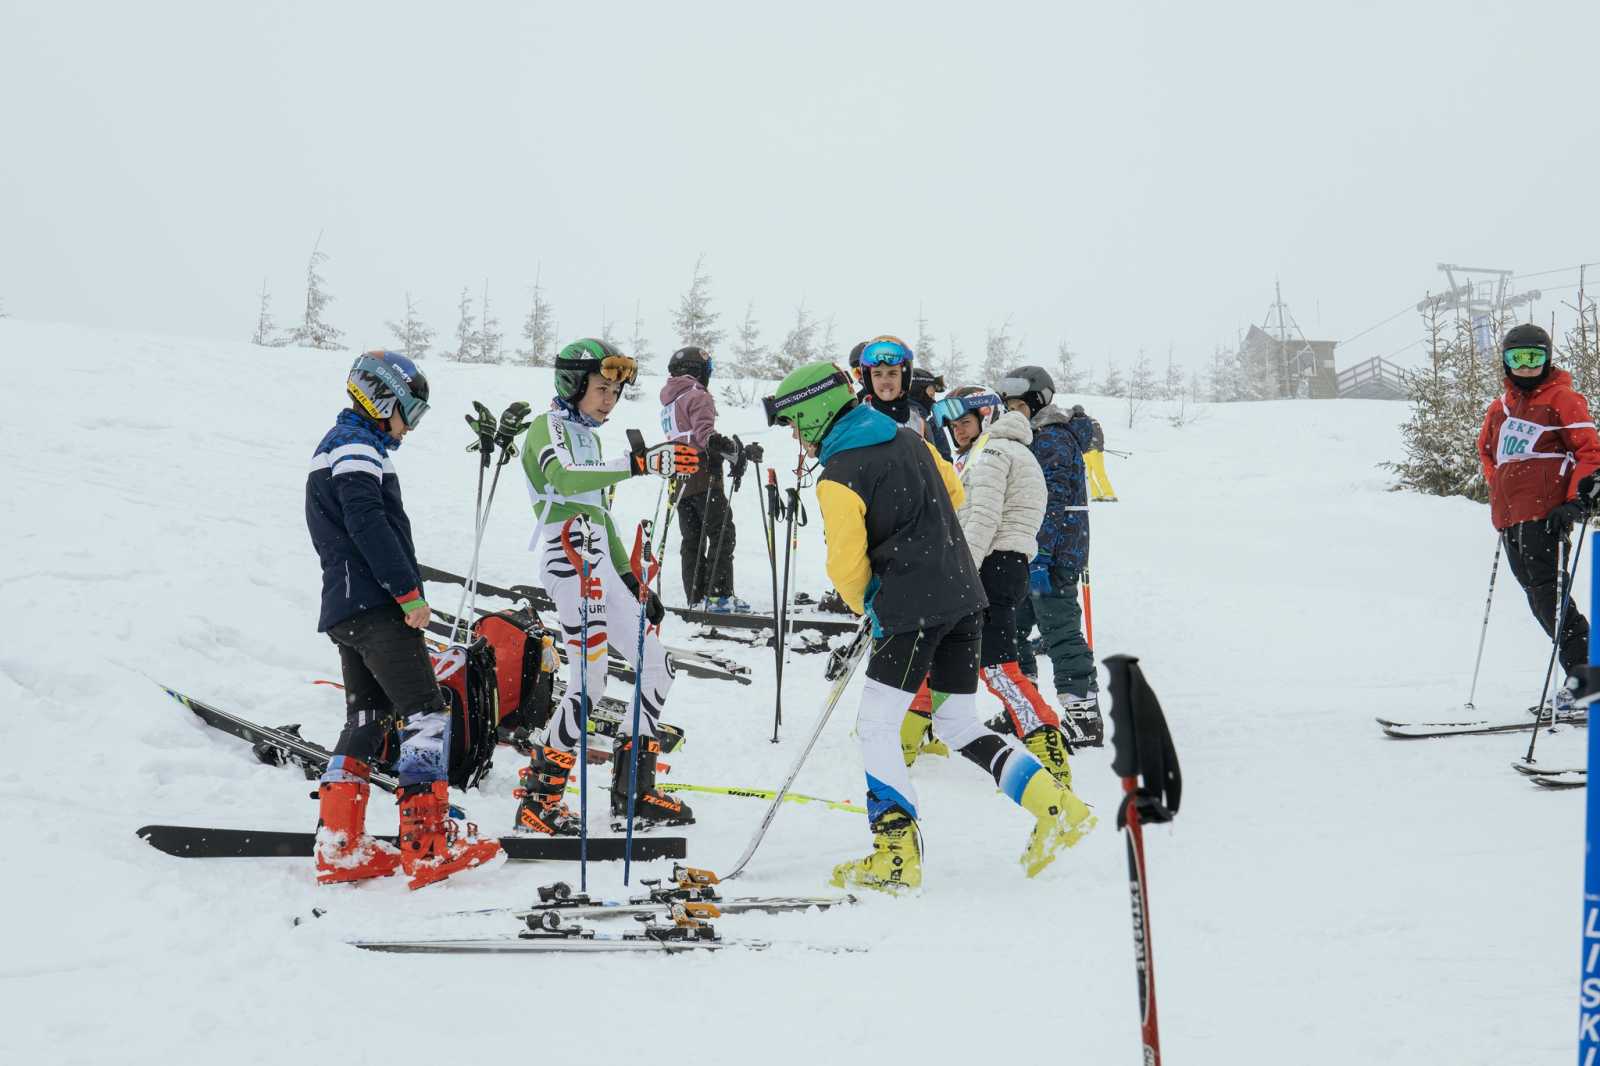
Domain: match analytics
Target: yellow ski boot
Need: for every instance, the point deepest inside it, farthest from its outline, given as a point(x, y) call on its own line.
point(896, 860)
point(1049, 745)
point(916, 737)
point(1063, 820)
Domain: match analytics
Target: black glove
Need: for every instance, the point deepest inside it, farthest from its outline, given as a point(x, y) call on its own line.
point(721, 446)
point(482, 424)
point(1563, 517)
point(514, 423)
point(654, 612)
point(1589, 491)
point(752, 453)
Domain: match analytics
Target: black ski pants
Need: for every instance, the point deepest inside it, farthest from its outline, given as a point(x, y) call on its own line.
point(388, 675)
point(708, 534)
point(1533, 550)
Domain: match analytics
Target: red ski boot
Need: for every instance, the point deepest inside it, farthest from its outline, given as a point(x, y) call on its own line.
point(429, 850)
point(344, 851)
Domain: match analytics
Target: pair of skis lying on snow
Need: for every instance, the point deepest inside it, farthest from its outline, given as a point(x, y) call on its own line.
point(1564, 778)
point(673, 917)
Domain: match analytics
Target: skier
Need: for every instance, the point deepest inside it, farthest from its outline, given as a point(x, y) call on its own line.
point(1539, 453)
point(1063, 554)
point(896, 554)
point(374, 611)
point(567, 479)
point(924, 383)
point(1000, 518)
point(1092, 439)
point(883, 369)
point(689, 414)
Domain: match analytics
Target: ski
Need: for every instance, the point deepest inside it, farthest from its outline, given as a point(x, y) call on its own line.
point(1535, 771)
point(1565, 780)
point(763, 793)
point(562, 940)
point(540, 601)
point(1483, 727)
point(699, 902)
point(205, 842)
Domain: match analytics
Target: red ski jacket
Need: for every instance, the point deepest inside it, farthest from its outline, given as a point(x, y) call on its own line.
point(1535, 447)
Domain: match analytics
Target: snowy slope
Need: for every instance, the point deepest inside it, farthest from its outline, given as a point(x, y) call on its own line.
point(1326, 896)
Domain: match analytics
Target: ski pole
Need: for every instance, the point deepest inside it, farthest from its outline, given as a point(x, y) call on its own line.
point(580, 563)
point(1152, 785)
point(770, 507)
point(641, 573)
point(513, 420)
point(722, 534)
point(1488, 602)
point(674, 486)
point(1569, 566)
point(841, 668)
point(482, 423)
point(1088, 612)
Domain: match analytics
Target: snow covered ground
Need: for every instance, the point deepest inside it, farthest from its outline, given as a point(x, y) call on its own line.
point(1326, 896)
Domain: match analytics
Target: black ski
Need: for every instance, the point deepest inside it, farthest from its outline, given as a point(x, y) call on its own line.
point(1470, 728)
point(202, 842)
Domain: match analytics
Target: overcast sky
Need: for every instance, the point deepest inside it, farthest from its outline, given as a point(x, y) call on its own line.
point(1114, 175)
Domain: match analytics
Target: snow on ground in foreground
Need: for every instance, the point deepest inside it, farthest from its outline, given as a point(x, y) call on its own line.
point(1326, 896)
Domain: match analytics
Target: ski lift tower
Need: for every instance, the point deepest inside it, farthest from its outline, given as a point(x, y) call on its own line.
point(1295, 356)
point(1485, 296)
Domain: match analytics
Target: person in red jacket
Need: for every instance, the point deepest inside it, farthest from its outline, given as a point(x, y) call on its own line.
point(1539, 452)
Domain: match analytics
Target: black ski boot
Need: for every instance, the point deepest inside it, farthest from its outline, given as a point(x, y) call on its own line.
point(543, 808)
point(652, 807)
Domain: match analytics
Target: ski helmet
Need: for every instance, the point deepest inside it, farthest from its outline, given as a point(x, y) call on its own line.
point(884, 350)
point(383, 382)
point(968, 400)
point(811, 399)
point(578, 360)
point(1030, 384)
point(693, 361)
point(924, 383)
point(1526, 345)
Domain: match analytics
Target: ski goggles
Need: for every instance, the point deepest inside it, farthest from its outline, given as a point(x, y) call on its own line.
point(775, 406)
point(885, 351)
point(1525, 358)
point(619, 368)
point(412, 407)
point(951, 408)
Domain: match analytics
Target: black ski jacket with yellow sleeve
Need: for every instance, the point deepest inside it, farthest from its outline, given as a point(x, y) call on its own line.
point(895, 549)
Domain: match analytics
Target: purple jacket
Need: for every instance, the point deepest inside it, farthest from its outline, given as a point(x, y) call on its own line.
point(689, 413)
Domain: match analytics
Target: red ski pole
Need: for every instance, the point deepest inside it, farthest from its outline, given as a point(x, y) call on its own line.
point(1152, 785)
point(1088, 612)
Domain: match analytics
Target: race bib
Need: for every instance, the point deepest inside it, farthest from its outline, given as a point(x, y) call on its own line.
point(1517, 438)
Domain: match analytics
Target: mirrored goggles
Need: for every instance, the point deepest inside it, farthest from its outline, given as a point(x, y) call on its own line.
point(619, 368)
point(885, 352)
point(1525, 358)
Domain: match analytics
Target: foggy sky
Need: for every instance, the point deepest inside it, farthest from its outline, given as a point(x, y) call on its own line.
point(1115, 175)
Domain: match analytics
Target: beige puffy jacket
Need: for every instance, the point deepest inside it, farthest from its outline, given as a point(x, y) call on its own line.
point(1006, 493)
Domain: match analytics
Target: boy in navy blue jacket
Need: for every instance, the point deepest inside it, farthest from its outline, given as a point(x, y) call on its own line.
point(374, 611)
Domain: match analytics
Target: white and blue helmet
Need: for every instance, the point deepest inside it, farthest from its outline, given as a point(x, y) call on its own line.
point(385, 382)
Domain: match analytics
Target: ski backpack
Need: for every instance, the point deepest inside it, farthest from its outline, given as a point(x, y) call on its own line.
point(467, 681)
point(525, 667)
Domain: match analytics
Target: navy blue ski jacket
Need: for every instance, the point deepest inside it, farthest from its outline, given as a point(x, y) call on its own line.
point(358, 524)
point(1065, 532)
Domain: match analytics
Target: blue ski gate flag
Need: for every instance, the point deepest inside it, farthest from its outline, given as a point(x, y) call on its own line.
point(1589, 989)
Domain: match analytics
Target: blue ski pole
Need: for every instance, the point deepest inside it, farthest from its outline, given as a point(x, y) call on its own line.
point(580, 563)
point(1589, 971)
point(640, 564)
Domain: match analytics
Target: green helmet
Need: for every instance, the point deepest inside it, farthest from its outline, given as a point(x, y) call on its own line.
point(578, 360)
point(811, 399)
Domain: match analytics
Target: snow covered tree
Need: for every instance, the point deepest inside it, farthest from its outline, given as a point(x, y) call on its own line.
point(829, 348)
point(749, 354)
point(539, 330)
point(1225, 378)
point(1142, 387)
point(3, 312)
point(1172, 381)
point(608, 330)
point(1448, 399)
point(694, 321)
point(638, 343)
point(1070, 375)
point(954, 367)
point(314, 331)
point(1113, 385)
point(999, 354)
point(1579, 352)
point(413, 337)
point(466, 349)
point(489, 338)
point(926, 348)
point(266, 333)
point(799, 345)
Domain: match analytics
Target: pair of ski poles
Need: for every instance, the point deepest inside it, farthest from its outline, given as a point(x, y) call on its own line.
point(490, 434)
